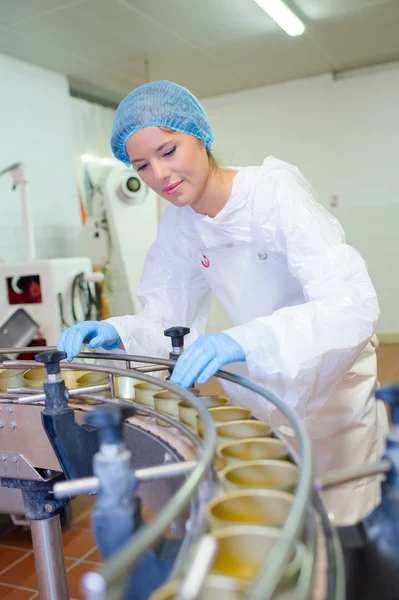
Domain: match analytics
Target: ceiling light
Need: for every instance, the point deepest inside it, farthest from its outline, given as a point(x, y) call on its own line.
point(283, 16)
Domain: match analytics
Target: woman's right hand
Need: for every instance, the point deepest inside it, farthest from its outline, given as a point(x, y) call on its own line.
point(94, 333)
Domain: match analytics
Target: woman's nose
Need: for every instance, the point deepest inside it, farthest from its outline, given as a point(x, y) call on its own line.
point(161, 170)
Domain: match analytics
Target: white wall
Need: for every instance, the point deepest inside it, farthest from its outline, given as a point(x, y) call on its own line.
point(35, 126)
point(91, 127)
point(343, 135)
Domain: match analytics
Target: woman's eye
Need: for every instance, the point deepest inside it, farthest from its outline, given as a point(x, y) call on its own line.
point(142, 167)
point(170, 152)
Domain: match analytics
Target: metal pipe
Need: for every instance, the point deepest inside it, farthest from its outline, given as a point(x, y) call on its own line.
point(22, 390)
point(149, 369)
point(340, 476)
point(32, 399)
point(305, 579)
point(19, 176)
point(91, 355)
point(27, 218)
point(165, 471)
point(90, 485)
point(76, 487)
point(336, 568)
point(72, 393)
point(11, 398)
point(111, 386)
point(126, 358)
point(49, 558)
point(194, 579)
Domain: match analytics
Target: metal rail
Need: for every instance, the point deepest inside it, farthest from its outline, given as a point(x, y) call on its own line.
point(115, 569)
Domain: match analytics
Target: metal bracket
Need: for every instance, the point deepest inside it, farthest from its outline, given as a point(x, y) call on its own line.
point(15, 466)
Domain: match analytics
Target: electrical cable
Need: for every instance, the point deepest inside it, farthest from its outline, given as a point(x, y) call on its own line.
point(90, 303)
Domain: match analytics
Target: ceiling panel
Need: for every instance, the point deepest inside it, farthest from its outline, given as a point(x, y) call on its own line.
point(54, 57)
point(120, 81)
point(323, 9)
point(12, 11)
point(241, 65)
point(99, 30)
point(190, 69)
point(207, 22)
point(211, 46)
point(271, 55)
point(83, 88)
point(363, 37)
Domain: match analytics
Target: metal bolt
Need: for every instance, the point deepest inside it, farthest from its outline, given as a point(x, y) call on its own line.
point(49, 507)
point(15, 459)
point(10, 410)
point(12, 424)
point(49, 472)
point(3, 459)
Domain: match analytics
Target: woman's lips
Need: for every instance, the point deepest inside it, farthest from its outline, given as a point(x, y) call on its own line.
point(171, 189)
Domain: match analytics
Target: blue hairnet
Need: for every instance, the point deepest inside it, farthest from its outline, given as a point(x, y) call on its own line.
point(159, 104)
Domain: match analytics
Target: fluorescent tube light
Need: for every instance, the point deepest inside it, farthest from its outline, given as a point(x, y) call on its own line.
point(283, 16)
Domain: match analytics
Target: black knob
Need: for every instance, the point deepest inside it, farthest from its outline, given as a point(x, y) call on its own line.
point(51, 360)
point(109, 421)
point(177, 334)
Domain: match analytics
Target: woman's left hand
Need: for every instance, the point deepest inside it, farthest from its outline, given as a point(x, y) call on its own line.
point(204, 357)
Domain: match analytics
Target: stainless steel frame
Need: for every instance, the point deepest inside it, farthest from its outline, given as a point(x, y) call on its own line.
point(108, 583)
point(49, 559)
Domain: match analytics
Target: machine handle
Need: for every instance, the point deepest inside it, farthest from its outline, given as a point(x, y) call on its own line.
point(90, 485)
point(51, 359)
point(177, 334)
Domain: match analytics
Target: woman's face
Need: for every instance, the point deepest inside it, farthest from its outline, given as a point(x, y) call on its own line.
point(175, 165)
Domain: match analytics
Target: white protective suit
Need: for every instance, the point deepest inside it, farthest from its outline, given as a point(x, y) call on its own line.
point(303, 309)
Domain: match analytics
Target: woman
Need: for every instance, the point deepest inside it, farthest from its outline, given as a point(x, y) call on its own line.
point(300, 299)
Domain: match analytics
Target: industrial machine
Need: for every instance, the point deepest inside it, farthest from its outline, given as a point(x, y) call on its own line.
point(39, 298)
point(55, 445)
point(119, 234)
point(54, 293)
point(132, 444)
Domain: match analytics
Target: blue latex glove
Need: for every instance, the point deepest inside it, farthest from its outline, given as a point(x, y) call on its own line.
point(204, 357)
point(94, 333)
